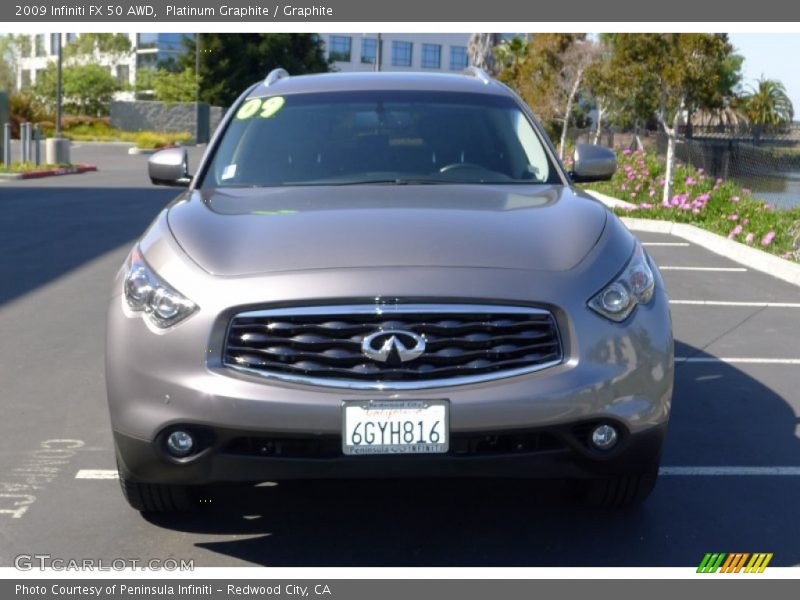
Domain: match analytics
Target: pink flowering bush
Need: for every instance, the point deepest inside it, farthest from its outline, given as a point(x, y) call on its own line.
point(718, 205)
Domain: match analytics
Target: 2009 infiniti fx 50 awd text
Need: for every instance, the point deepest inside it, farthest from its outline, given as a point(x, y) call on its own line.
point(385, 275)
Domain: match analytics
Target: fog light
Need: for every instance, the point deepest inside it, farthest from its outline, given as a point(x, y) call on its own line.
point(604, 437)
point(180, 443)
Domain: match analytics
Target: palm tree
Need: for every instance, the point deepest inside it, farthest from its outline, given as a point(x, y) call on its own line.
point(510, 54)
point(480, 51)
point(767, 104)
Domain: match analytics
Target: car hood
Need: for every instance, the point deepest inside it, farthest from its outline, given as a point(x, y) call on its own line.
point(245, 231)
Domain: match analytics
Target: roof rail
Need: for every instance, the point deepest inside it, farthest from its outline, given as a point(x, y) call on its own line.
point(275, 75)
point(478, 73)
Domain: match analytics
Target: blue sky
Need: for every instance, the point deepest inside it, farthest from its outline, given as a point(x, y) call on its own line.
point(775, 55)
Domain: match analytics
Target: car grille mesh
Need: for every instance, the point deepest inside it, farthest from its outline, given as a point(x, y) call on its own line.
point(324, 344)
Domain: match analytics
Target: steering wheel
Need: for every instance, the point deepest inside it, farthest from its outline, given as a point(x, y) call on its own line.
point(456, 166)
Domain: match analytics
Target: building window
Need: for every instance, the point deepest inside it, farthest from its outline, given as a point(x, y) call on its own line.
point(369, 51)
point(431, 56)
point(340, 48)
point(458, 58)
point(123, 75)
point(173, 42)
point(39, 45)
point(54, 42)
point(25, 46)
point(146, 60)
point(26, 79)
point(401, 54)
point(71, 37)
point(146, 40)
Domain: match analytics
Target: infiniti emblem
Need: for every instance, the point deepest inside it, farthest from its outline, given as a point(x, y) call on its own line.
point(381, 345)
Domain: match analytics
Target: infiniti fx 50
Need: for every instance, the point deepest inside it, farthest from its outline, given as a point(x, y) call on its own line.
point(385, 275)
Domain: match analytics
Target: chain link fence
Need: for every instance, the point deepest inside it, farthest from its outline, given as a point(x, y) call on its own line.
point(771, 170)
point(767, 163)
point(763, 160)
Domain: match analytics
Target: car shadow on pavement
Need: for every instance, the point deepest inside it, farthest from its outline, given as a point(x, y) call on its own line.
point(721, 416)
point(46, 232)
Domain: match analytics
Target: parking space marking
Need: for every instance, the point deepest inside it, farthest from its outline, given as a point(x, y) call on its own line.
point(96, 474)
point(671, 244)
point(676, 471)
point(729, 471)
point(34, 473)
point(721, 269)
point(738, 360)
point(734, 303)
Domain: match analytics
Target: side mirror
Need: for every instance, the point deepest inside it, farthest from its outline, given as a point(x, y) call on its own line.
point(593, 163)
point(169, 167)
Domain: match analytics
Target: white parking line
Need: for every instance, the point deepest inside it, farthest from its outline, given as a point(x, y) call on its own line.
point(731, 303)
point(729, 471)
point(738, 360)
point(676, 471)
point(722, 269)
point(96, 474)
point(672, 244)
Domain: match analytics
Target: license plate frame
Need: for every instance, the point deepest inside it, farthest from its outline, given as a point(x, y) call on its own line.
point(386, 410)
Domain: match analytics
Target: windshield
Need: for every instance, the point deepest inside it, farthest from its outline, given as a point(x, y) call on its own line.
point(379, 137)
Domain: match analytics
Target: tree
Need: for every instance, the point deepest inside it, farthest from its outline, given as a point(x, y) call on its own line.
point(602, 86)
point(88, 46)
point(510, 56)
point(171, 87)
point(671, 74)
point(480, 51)
point(577, 59)
point(767, 104)
point(87, 89)
point(230, 63)
point(537, 77)
point(8, 64)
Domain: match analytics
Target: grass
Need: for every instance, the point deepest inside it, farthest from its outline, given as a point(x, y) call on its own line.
point(102, 132)
point(27, 167)
point(722, 207)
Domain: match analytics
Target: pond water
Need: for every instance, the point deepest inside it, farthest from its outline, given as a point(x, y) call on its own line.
point(782, 190)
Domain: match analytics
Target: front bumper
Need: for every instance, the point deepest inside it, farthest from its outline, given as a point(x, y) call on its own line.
point(619, 373)
point(225, 460)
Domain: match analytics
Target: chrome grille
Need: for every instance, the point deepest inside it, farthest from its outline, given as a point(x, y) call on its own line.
point(323, 345)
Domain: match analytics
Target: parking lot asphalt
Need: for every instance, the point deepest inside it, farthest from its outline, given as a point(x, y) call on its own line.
point(731, 471)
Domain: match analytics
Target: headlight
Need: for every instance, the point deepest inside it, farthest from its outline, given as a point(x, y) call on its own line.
point(631, 287)
point(145, 292)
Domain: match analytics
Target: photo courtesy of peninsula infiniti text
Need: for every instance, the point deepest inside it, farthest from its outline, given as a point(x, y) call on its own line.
point(386, 275)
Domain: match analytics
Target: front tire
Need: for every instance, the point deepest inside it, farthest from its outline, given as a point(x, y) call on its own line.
point(156, 498)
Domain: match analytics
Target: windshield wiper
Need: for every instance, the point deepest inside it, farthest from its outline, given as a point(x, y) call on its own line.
point(395, 181)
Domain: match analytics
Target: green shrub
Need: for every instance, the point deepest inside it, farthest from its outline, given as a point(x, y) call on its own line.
point(150, 140)
point(23, 109)
point(98, 129)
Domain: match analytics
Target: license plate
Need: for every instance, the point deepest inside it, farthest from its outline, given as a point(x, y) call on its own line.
point(395, 427)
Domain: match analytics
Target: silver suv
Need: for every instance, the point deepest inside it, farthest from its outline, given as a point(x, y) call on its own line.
point(385, 275)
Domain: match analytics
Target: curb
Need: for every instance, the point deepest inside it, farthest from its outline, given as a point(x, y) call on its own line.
point(49, 172)
point(609, 201)
point(736, 251)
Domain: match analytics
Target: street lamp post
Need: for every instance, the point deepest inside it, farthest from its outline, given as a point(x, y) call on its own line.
point(57, 149)
point(59, 88)
point(197, 112)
